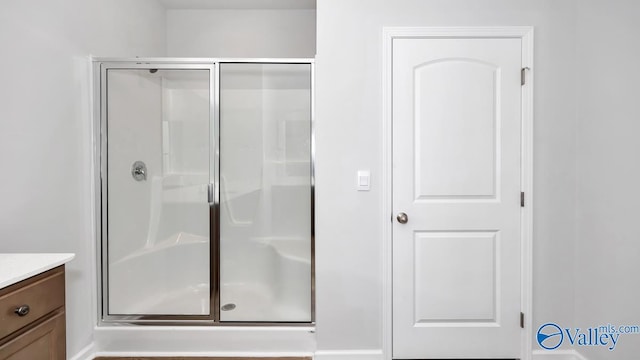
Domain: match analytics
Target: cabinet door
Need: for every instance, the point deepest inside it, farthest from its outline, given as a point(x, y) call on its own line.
point(45, 341)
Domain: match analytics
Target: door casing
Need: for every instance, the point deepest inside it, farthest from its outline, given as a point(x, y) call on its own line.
point(525, 33)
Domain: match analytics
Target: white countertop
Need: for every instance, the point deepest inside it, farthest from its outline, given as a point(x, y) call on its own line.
point(17, 267)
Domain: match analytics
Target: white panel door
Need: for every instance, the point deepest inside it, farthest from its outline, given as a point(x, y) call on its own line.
point(456, 175)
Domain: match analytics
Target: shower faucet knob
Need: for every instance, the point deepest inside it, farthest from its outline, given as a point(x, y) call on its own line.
point(139, 171)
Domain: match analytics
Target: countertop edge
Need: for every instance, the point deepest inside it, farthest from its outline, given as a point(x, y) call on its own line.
point(33, 264)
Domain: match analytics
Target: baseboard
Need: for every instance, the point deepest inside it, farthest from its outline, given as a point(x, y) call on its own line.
point(205, 340)
point(86, 353)
point(195, 356)
point(348, 355)
point(199, 354)
point(557, 355)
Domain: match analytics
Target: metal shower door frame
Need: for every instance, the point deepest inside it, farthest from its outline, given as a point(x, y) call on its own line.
point(100, 68)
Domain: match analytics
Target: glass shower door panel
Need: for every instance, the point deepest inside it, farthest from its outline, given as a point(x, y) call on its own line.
point(158, 253)
point(265, 192)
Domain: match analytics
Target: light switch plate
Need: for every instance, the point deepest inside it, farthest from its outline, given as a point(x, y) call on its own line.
point(363, 180)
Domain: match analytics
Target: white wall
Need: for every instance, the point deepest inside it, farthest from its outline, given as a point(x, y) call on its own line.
point(45, 134)
point(262, 33)
point(607, 243)
point(45, 141)
point(348, 118)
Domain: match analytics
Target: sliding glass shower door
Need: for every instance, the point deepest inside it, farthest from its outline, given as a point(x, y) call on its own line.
point(157, 137)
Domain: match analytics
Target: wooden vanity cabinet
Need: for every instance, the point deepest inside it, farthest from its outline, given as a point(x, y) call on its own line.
point(32, 318)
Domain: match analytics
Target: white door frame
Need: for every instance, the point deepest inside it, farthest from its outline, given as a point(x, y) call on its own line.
point(525, 33)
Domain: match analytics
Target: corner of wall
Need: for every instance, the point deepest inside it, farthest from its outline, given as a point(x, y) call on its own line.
point(86, 353)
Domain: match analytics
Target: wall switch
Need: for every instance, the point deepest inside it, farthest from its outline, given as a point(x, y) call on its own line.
point(364, 180)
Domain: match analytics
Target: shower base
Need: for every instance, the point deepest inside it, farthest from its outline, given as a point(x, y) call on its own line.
point(256, 302)
point(253, 302)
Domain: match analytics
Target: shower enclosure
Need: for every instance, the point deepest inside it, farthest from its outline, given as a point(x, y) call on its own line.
point(205, 188)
